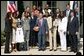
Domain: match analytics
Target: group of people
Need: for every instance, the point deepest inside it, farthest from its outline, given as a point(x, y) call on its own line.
point(38, 26)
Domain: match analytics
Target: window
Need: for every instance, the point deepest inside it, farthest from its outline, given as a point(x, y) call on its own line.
point(81, 12)
point(37, 3)
point(52, 5)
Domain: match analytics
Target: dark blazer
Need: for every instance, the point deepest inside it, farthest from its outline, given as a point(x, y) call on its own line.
point(43, 28)
point(33, 22)
point(73, 25)
point(65, 12)
point(8, 25)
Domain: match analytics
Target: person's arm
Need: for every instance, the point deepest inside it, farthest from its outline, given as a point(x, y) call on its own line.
point(67, 31)
point(22, 15)
point(65, 27)
point(36, 23)
point(77, 25)
point(22, 22)
point(46, 25)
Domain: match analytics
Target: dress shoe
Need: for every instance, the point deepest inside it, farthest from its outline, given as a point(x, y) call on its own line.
point(50, 49)
point(71, 51)
point(7, 52)
point(75, 51)
point(54, 49)
point(39, 49)
point(43, 49)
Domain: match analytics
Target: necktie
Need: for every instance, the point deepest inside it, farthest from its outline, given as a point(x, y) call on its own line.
point(39, 23)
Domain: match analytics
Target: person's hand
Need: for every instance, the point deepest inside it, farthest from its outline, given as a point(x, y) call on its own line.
point(67, 32)
point(77, 33)
point(64, 32)
point(10, 18)
point(46, 32)
point(60, 30)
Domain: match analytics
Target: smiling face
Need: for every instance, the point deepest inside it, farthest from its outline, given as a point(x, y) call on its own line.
point(46, 6)
point(27, 9)
point(37, 13)
point(67, 6)
point(72, 14)
point(40, 15)
point(34, 7)
point(26, 14)
point(57, 10)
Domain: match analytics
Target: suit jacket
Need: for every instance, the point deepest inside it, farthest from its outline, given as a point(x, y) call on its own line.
point(33, 22)
point(26, 23)
point(66, 10)
point(73, 25)
point(43, 28)
point(63, 24)
point(49, 21)
point(8, 25)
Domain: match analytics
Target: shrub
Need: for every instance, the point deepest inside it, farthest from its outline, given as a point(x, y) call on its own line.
point(3, 38)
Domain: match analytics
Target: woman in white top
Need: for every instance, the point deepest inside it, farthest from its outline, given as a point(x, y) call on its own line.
point(55, 25)
point(62, 28)
point(49, 36)
point(14, 26)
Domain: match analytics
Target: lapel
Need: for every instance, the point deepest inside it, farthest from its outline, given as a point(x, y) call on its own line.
point(69, 12)
point(39, 23)
point(43, 22)
point(72, 20)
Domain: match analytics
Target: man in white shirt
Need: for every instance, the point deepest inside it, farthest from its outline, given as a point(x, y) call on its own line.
point(72, 30)
point(67, 11)
point(46, 9)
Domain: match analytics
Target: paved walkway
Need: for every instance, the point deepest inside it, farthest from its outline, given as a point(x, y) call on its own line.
point(34, 51)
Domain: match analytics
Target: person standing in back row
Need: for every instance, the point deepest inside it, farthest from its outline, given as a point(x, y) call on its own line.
point(56, 20)
point(67, 14)
point(8, 31)
point(62, 29)
point(26, 30)
point(72, 30)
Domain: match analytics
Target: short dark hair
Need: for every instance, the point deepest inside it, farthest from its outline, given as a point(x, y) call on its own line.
point(8, 15)
point(68, 4)
point(73, 11)
point(27, 7)
point(40, 12)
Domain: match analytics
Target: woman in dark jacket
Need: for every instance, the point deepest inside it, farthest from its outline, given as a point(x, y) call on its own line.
point(8, 30)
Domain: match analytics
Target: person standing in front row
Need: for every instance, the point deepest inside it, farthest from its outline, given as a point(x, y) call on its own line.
point(72, 30)
point(50, 38)
point(26, 30)
point(8, 31)
point(14, 26)
point(33, 34)
point(43, 30)
point(55, 28)
point(62, 28)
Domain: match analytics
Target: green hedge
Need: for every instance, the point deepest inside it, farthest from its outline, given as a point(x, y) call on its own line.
point(3, 38)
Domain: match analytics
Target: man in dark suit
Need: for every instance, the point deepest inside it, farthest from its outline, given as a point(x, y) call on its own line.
point(33, 37)
point(72, 30)
point(8, 29)
point(67, 14)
